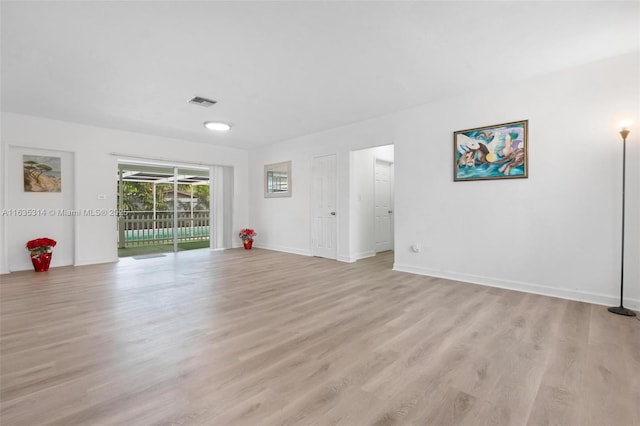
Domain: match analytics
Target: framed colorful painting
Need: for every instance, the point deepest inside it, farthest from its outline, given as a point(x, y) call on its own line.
point(491, 152)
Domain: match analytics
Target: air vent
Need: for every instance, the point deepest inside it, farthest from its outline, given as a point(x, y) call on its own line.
point(197, 100)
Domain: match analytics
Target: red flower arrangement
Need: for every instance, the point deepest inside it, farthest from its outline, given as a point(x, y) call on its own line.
point(247, 234)
point(40, 246)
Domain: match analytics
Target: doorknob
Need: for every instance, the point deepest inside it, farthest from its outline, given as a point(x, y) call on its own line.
point(333, 213)
point(390, 211)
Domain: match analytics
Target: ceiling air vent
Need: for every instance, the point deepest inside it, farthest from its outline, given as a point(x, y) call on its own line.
point(197, 100)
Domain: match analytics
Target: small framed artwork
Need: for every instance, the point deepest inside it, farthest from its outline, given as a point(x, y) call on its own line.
point(491, 152)
point(277, 180)
point(41, 173)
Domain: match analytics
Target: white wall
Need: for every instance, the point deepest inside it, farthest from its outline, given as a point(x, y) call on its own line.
point(46, 205)
point(362, 200)
point(285, 223)
point(95, 173)
point(557, 232)
point(4, 264)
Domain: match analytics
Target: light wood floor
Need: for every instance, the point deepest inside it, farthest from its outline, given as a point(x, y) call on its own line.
point(265, 338)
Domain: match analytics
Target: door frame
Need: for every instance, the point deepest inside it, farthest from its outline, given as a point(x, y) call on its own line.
point(175, 168)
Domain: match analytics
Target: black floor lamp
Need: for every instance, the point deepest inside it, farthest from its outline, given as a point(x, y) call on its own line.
point(621, 310)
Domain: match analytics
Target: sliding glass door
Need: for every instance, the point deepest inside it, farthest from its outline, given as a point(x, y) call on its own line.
point(165, 209)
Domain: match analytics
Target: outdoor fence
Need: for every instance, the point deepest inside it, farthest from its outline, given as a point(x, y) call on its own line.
point(140, 228)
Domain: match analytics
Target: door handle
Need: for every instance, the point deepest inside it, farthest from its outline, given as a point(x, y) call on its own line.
point(332, 213)
point(390, 211)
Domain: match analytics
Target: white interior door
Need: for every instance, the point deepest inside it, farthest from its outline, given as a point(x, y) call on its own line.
point(383, 205)
point(324, 212)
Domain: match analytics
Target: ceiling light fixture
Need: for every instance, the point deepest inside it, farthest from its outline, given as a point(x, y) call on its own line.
point(217, 126)
point(199, 100)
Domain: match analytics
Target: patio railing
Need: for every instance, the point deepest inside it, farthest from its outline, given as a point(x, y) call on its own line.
point(139, 228)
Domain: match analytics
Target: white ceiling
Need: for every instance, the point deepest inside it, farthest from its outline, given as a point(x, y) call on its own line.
point(283, 69)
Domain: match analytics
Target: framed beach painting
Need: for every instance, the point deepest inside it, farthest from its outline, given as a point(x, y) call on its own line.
point(491, 152)
point(41, 173)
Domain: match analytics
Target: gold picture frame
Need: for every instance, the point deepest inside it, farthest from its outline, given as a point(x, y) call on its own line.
point(499, 151)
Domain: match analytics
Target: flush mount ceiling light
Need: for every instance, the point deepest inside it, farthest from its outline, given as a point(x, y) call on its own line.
point(217, 126)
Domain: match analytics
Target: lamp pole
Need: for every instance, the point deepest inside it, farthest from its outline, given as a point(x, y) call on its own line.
point(621, 310)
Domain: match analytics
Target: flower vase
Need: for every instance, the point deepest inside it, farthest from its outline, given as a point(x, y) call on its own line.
point(247, 244)
point(41, 262)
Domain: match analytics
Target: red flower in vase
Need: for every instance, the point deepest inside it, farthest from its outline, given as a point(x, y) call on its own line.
point(247, 234)
point(40, 246)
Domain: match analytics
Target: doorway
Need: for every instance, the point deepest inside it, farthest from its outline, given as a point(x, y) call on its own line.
point(371, 200)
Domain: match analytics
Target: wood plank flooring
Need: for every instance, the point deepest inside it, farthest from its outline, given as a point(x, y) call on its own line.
point(265, 338)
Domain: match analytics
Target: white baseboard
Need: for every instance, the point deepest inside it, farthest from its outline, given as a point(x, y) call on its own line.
point(21, 266)
point(26, 266)
point(581, 296)
point(282, 249)
point(357, 256)
point(347, 259)
point(95, 261)
point(365, 254)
